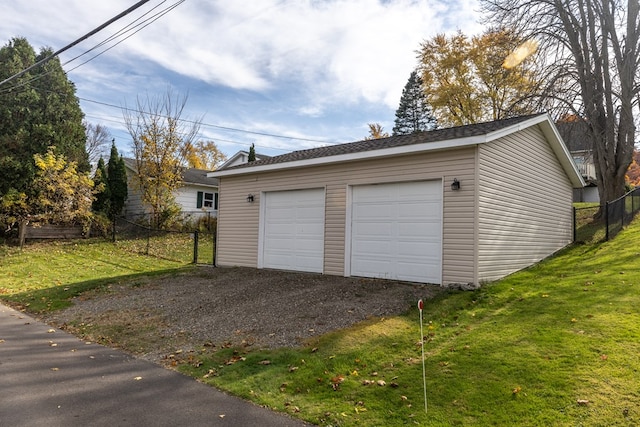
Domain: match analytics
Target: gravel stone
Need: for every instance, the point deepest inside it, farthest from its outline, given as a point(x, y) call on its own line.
point(261, 308)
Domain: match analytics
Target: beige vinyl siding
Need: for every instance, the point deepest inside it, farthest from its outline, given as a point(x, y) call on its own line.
point(459, 242)
point(238, 220)
point(524, 204)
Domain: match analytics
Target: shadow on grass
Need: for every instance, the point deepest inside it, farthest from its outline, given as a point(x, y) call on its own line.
point(61, 296)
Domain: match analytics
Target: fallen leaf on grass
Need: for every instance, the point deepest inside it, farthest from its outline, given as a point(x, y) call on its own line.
point(337, 379)
point(516, 390)
point(293, 368)
point(381, 383)
point(208, 374)
point(583, 402)
point(264, 362)
point(235, 359)
point(604, 357)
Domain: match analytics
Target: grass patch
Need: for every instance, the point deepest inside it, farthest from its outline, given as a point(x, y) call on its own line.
point(46, 276)
point(554, 345)
point(588, 229)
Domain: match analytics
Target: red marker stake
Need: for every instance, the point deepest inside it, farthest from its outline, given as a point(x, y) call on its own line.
point(424, 375)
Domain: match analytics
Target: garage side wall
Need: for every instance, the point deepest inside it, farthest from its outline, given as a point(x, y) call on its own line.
point(238, 220)
point(524, 206)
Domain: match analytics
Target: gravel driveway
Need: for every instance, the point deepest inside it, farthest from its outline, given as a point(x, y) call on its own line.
point(237, 306)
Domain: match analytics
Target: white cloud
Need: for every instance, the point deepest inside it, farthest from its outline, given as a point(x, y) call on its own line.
point(302, 60)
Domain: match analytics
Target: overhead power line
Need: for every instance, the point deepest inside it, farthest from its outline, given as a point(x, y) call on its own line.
point(135, 25)
point(217, 126)
point(69, 46)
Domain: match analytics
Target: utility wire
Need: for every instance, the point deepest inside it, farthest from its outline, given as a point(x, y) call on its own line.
point(123, 30)
point(69, 46)
point(146, 23)
point(216, 126)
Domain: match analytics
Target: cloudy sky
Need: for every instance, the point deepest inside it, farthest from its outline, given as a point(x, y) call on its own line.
point(283, 74)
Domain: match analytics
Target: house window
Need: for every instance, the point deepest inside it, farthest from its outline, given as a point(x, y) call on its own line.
point(207, 200)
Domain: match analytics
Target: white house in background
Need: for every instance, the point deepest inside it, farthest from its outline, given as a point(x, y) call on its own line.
point(197, 197)
point(240, 158)
point(575, 135)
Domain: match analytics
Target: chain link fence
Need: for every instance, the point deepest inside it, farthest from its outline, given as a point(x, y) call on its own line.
point(591, 225)
point(186, 246)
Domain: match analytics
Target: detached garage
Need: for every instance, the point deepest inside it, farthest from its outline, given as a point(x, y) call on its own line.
point(457, 206)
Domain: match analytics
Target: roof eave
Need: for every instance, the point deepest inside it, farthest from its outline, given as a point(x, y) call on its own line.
point(362, 155)
point(543, 120)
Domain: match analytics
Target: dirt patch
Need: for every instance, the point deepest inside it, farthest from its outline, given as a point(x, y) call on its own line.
point(231, 306)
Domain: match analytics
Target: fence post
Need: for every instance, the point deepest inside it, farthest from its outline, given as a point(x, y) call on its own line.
point(606, 221)
point(195, 246)
point(148, 237)
point(213, 244)
point(574, 224)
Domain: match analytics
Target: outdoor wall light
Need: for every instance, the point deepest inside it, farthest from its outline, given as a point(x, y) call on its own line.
point(455, 185)
point(250, 198)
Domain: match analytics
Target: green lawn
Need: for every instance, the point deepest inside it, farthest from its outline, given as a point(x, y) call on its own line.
point(555, 345)
point(45, 276)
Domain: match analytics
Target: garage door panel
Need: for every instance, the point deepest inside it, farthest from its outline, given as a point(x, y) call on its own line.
point(410, 249)
point(396, 231)
point(372, 247)
point(293, 236)
point(371, 229)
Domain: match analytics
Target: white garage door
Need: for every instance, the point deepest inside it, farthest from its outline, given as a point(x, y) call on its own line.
point(396, 231)
point(293, 230)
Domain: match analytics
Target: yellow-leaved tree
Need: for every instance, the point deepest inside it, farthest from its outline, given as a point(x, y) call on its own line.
point(160, 141)
point(204, 155)
point(465, 80)
point(64, 195)
point(376, 131)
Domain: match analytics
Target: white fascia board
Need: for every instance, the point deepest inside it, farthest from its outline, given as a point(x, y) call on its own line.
point(517, 127)
point(566, 159)
point(362, 155)
point(199, 184)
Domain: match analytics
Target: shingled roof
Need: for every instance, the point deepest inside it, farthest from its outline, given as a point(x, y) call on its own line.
point(189, 175)
point(390, 142)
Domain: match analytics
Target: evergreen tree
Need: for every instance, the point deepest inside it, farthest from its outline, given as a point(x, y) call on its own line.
point(252, 153)
point(414, 113)
point(117, 182)
point(101, 189)
point(37, 110)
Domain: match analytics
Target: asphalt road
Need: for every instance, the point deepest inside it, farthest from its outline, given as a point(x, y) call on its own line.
point(51, 378)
